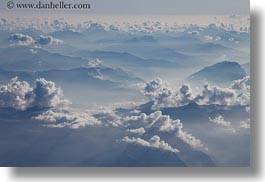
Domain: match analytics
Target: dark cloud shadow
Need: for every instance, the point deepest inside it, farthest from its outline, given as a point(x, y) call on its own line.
point(254, 171)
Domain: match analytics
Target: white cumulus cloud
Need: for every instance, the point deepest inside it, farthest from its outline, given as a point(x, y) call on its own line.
point(20, 95)
point(139, 131)
point(47, 39)
point(154, 142)
point(19, 39)
point(62, 118)
point(219, 120)
point(94, 63)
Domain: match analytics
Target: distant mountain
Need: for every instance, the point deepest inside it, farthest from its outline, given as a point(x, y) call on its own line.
point(123, 59)
point(30, 59)
point(223, 72)
point(91, 76)
point(201, 48)
point(194, 112)
point(68, 34)
point(142, 39)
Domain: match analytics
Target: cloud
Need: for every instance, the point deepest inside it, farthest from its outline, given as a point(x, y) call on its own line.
point(45, 40)
point(16, 94)
point(241, 84)
point(62, 118)
point(47, 94)
point(139, 131)
point(154, 142)
point(157, 123)
point(109, 118)
point(21, 96)
point(247, 109)
point(219, 120)
point(165, 98)
point(153, 87)
point(154, 120)
point(190, 139)
point(216, 95)
point(245, 124)
point(242, 87)
point(218, 38)
point(96, 74)
point(19, 39)
point(186, 94)
point(194, 33)
point(94, 63)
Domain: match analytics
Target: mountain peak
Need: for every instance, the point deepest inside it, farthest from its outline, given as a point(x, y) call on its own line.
point(222, 72)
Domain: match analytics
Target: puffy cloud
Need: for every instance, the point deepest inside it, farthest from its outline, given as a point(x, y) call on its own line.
point(63, 118)
point(45, 40)
point(21, 96)
point(47, 94)
point(109, 118)
point(216, 95)
point(219, 120)
point(243, 98)
point(154, 142)
point(186, 93)
point(96, 74)
point(163, 97)
point(94, 63)
point(139, 131)
point(242, 87)
point(16, 94)
point(157, 123)
point(190, 139)
point(241, 84)
point(153, 87)
point(20, 39)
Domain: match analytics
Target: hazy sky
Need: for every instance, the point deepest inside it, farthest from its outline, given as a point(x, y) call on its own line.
point(159, 6)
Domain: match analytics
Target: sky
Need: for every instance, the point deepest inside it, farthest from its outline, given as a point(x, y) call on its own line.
point(154, 7)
